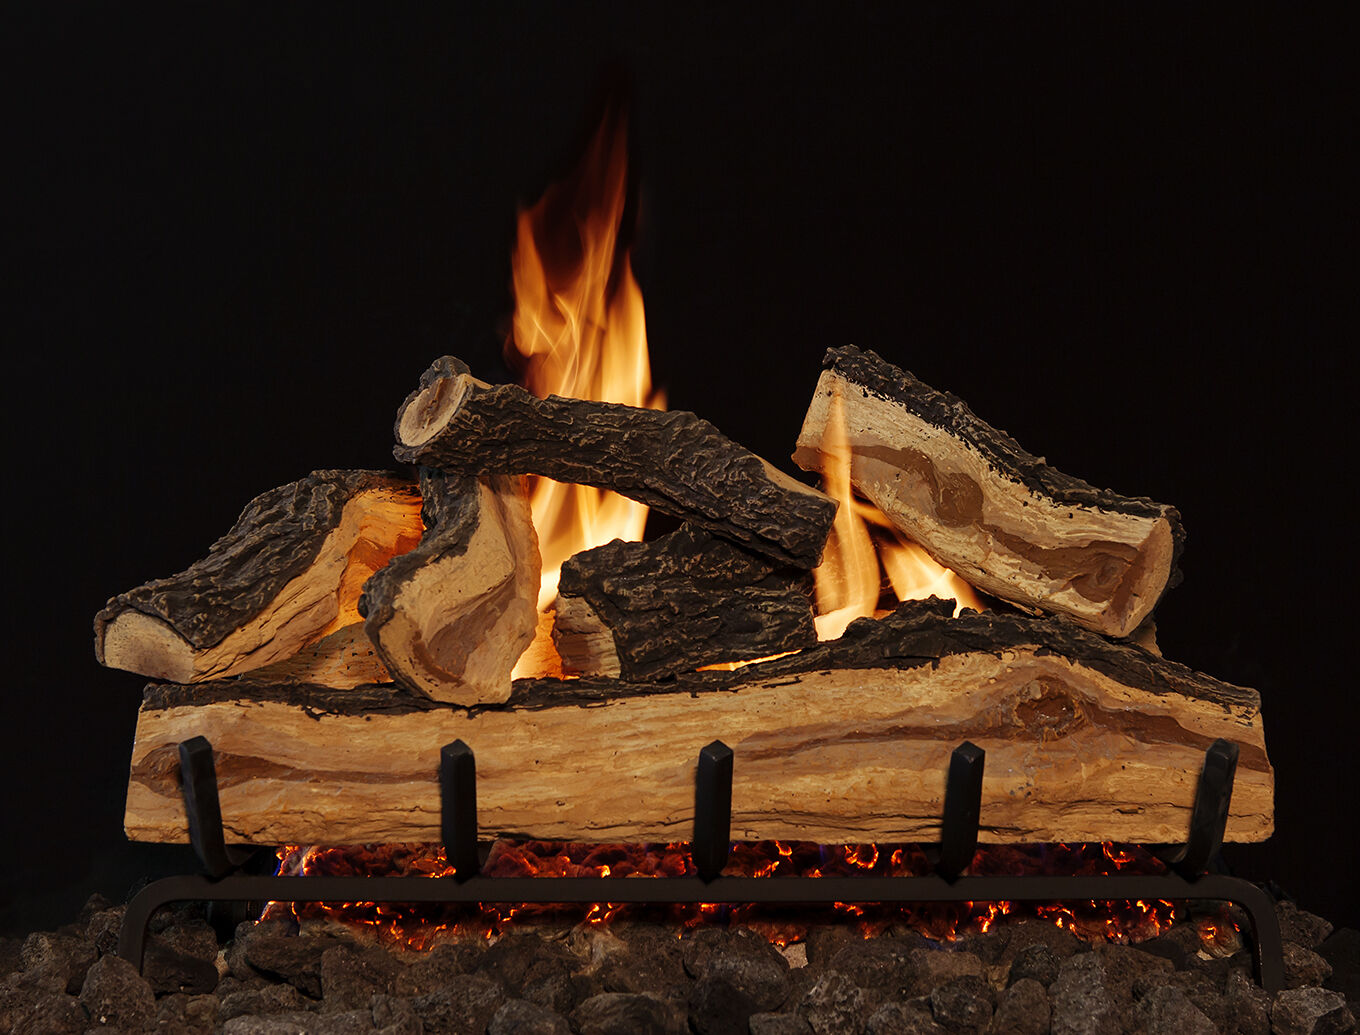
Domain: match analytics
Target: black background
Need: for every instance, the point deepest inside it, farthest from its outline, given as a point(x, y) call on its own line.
point(242, 234)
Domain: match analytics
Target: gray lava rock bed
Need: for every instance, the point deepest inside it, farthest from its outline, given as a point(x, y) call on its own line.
point(637, 977)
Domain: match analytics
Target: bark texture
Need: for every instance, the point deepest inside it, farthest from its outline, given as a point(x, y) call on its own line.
point(650, 610)
point(673, 461)
point(285, 577)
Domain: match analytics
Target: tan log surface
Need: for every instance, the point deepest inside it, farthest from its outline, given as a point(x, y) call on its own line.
point(847, 742)
point(1004, 520)
point(451, 617)
point(285, 577)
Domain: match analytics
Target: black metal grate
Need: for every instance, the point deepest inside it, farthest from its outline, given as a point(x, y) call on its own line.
point(220, 881)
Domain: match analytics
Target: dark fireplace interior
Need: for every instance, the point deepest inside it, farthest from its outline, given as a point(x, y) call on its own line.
point(244, 234)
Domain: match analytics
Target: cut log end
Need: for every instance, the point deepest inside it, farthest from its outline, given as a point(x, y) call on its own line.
point(136, 642)
point(432, 406)
point(451, 617)
point(1002, 519)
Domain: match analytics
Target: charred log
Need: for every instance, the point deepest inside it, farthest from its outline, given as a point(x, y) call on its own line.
point(649, 610)
point(673, 461)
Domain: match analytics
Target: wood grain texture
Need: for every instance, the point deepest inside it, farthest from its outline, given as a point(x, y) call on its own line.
point(451, 617)
point(845, 742)
point(649, 610)
point(1002, 519)
point(674, 461)
point(287, 575)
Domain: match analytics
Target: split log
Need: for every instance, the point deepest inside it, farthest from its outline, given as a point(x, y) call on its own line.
point(673, 461)
point(650, 610)
point(286, 577)
point(451, 617)
point(1002, 519)
point(1087, 739)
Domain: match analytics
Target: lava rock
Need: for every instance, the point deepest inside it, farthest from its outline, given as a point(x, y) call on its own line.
point(183, 1013)
point(737, 975)
point(911, 1018)
point(1179, 944)
point(437, 969)
point(660, 971)
point(779, 1024)
point(1304, 967)
point(1300, 927)
point(393, 1015)
point(28, 1006)
point(508, 960)
point(962, 1004)
point(561, 992)
point(1036, 962)
point(1022, 1009)
point(825, 940)
point(102, 929)
point(1202, 991)
point(464, 1006)
point(622, 1013)
point(835, 1005)
point(182, 958)
point(276, 998)
point(520, 1017)
point(1311, 1011)
point(1126, 966)
point(1081, 1003)
point(351, 976)
point(1246, 1006)
point(62, 954)
point(294, 958)
point(880, 963)
point(1342, 952)
point(932, 967)
point(355, 1022)
point(1167, 1011)
point(116, 996)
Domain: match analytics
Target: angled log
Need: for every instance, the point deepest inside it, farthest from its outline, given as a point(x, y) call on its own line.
point(451, 617)
point(650, 610)
point(286, 577)
point(1002, 519)
point(1087, 739)
point(673, 461)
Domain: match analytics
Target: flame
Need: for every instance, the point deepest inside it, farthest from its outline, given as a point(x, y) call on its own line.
point(864, 547)
point(579, 331)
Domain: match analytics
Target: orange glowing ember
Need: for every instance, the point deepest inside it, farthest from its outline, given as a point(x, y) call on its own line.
point(420, 926)
point(579, 331)
point(864, 548)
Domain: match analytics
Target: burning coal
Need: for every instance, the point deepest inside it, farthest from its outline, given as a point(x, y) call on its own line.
point(420, 926)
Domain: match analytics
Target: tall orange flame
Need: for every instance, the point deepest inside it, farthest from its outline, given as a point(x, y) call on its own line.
point(579, 330)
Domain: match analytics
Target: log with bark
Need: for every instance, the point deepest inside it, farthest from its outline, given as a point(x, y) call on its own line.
point(673, 461)
point(1087, 739)
point(649, 610)
point(451, 617)
point(284, 583)
point(1002, 519)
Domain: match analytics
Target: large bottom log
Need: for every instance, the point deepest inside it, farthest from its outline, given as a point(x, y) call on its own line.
point(847, 742)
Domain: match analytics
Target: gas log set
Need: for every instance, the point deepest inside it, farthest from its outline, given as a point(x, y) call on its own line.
point(363, 661)
point(754, 765)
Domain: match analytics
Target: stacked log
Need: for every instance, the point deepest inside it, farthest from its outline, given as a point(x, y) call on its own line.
point(353, 623)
